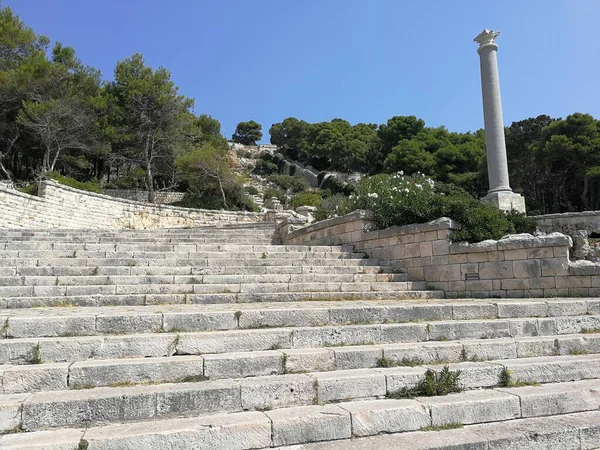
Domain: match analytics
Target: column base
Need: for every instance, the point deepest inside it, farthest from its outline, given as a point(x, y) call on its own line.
point(506, 201)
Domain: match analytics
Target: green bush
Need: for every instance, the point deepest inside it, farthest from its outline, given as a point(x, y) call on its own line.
point(330, 207)
point(110, 186)
point(306, 199)
point(30, 189)
point(251, 190)
point(90, 186)
point(263, 167)
point(273, 192)
point(294, 184)
point(402, 200)
point(521, 222)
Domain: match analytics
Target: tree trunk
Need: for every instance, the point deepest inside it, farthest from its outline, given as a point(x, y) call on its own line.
point(4, 171)
point(150, 183)
point(584, 199)
point(222, 191)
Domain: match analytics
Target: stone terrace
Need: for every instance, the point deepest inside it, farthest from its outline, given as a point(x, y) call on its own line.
point(212, 337)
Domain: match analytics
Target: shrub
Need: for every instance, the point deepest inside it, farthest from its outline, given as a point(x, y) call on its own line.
point(306, 199)
point(330, 207)
point(90, 186)
point(30, 189)
point(434, 383)
point(263, 167)
point(110, 186)
point(272, 192)
point(251, 190)
point(294, 184)
point(402, 200)
point(521, 222)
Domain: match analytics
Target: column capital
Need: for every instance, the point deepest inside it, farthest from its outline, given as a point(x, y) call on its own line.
point(487, 39)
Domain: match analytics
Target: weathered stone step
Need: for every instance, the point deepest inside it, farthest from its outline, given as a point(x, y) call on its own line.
point(77, 339)
point(328, 427)
point(417, 293)
point(96, 279)
point(179, 254)
point(200, 261)
point(328, 366)
point(158, 287)
point(182, 270)
point(461, 320)
point(172, 247)
point(101, 405)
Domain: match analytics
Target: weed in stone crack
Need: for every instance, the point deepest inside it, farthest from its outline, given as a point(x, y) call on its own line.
point(83, 444)
point(131, 263)
point(185, 299)
point(192, 379)
point(404, 362)
point(122, 384)
point(17, 429)
point(237, 315)
point(62, 304)
point(506, 380)
point(590, 330)
point(78, 387)
point(264, 255)
point(434, 383)
point(173, 345)
point(34, 355)
point(96, 270)
point(56, 282)
point(276, 346)
point(578, 351)
point(442, 338)
point(74, 254)
point(284, 358)
point(5, 327)
point(447, 426)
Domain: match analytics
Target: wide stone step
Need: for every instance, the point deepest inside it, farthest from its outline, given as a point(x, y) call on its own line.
point(162, 247)
point(328, 427)
point(416, 292)
point(328, 365)
point(178, 254)
point(458, 319)
point(200, 261)
point(150, 278)
point(55, 271)
point(159, 287)
point(134, 403)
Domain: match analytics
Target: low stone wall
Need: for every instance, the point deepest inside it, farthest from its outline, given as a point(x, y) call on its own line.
point(59, 206)
point(569, 222)
point(516, 266)
point(160, 197)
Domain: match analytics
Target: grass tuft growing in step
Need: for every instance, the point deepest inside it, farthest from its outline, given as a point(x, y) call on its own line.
point(506, 380)
point(34, 356)
point(590, 330)
point(192, 379)
point(447, 426)
point(404, 362)
point(444, 382)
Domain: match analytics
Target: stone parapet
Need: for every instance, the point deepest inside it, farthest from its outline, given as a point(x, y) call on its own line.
point(59, 206)
point(569, 222)
point(515, 266)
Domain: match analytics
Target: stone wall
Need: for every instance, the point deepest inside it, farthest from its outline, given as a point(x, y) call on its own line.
point(569, 222)
point(160, 197)
point(516, 266)
point(59, 206)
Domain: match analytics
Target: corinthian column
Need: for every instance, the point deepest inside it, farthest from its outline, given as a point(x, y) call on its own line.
point(500, 194)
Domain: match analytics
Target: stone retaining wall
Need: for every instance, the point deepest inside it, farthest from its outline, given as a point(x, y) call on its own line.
point(160, 197)
point(569, 222)
point(516, 266)
point(59, 206)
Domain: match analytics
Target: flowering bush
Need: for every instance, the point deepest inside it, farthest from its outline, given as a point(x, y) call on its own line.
point(400, 199)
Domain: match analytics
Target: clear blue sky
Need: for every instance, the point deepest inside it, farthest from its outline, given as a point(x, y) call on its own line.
point(360, 60)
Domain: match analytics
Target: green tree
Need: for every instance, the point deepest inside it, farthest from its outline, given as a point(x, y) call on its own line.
point(149, 117)
point(290, 136)
point(247, 133)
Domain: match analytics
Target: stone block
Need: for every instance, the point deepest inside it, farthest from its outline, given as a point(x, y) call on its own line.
point(490, 350)
point(244, 364)
point(39, 377)
point(469, 329)
point(474, 310)
point(359, 357)
point(228, 341)
point(349, 384)
point(403, 332)
point(522, 309)
point(517, 254)
point(309, 360)
point(426, 249)
point(473, 407)
point(552, 267)
point(48, 326)
point(567, 307)
point(305, 424)
point(528, 268)
point(401, 377)
point(10, 411)
point(386, 416)
point(475, 375)
point(428, 352)
point(199, 321)
point(573, 281)
point(495, 270)
point(277, 391)
point(334, 336)
point(515, 283)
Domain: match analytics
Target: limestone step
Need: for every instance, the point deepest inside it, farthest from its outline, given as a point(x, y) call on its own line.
point(330, 366)
point(413, 290)
point(441, 320)
point(283, 394)
point(158, 287)
point(200, 261)
point(327, 427)
point(199, 278)
point(55, 271)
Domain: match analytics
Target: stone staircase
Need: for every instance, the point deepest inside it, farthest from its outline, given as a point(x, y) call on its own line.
point(215, 338)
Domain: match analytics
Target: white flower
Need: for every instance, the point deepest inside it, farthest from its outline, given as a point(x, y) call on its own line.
point(406, 190)
point(419, 186)
point(373, 195)
point(401, 172)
